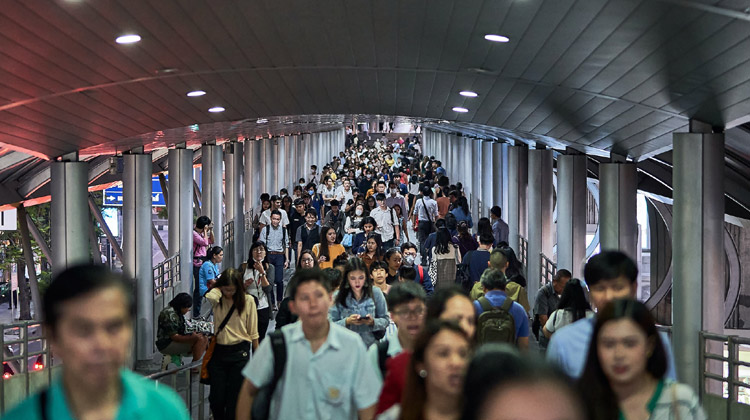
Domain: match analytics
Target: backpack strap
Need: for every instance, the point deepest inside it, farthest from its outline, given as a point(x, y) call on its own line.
point(382, 355)
point(507, 304)
point(43, 405)
point(268, 230)
point(485, 304)
point(278, 346)
point(420, 271)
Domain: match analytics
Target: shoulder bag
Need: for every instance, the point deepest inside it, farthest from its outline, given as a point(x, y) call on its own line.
point(211, 346)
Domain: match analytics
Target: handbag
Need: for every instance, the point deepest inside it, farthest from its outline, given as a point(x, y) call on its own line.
point(205, 377)
point(347, 241)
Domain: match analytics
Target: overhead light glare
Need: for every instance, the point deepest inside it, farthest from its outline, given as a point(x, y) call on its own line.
point(196, 93)
point(216, 109)
point(496, 38)
point(460, 109)
point(128, 39)
point(261, 121)
point(468, 94)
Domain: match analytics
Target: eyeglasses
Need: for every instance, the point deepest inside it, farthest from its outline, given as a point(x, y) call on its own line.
point(307, 260)
point(259, 250)
point(406, 313)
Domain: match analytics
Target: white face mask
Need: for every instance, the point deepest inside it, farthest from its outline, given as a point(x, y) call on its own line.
point(394, 191)
point(358, 212)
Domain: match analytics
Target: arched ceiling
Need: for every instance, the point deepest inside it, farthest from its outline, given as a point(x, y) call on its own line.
point(595, 75)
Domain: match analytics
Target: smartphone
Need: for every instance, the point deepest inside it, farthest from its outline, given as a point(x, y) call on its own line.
point(365, 317)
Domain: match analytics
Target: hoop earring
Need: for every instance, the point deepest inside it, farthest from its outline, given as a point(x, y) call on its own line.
point(422, 373)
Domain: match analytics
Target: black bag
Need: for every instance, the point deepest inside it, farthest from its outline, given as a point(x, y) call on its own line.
point(378, 334)
point(463, 275)
point(261, 408)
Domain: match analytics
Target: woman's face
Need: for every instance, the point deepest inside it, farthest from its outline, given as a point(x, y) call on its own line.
point(265, 205)
point(307, 260)
point(368, 227)
point(217, 258)
point(398, 210)
point(623, 349)
point(357, 280)
point(379, 275)
point(371, 202)
point(394, 263)
point(371, 245)
point(228, 291)
point(329, 183)
point(445, 360)
point(460, 309)
point(331, 236)
point(259, 253)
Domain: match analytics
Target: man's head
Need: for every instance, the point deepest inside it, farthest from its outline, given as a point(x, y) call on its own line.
point(299, 206)
point(610, 275)
point(335, 205)
point(407, 274)
point(493, 279)
point(486, 240)
point(380, 198)
point(275, 202)
point(409, 252)
point(495, 213)
point(453, 196)
point(310, 297)
point(275, 218)
point(498, 260)
point(406, 303)
point(87, 315)
point(380, 187)
point(311, 217)
point(426, 191)
point(560, 279)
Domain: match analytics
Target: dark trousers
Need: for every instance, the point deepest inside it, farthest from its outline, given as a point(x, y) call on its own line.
point(423, 231)
point(388, 245)
point(277, 261)
point(264, 317)
point(196, 293)
point(225, 370)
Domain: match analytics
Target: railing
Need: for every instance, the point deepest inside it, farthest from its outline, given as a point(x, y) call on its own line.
point(523, 251)
point(166, 274)
point(548, 269)
point(187, 384)
point(227, 236)
point(735, 398)
point(26, 360)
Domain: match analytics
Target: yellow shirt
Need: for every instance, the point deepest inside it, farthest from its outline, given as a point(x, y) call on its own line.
point(241, 326)
point(333, 252)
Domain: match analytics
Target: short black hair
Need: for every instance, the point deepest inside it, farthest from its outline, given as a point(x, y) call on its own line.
point(486, 239)
point(181, 301)
point(311, 212)
point(78, 281)
point(202, 222)
point(493, 279)
point(408, 273)
point(404, 293)
point(275, 213)
point(306, 275)
point(333, 276)
point(609, 265)
point(408, 245)
point(379, 196)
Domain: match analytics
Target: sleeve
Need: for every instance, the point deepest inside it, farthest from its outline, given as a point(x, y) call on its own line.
point(259, 370)
point(298, 235)
point(347, 224)
point(471, 221)
point(264, 219)
point(335, 314)
point(550, 325)
point(270, 274)
point(213, 296)
point(167, 323)
point(523, 328)
point(199, 240)
point(427, 283)
point(496, 233)
point(540, 306)
point(367, 382)
point(556, 354)
point(523, 299)
point(262, 234)
point(671, 371)
point(252, 319)
point(316, 250)
point(381, 311)
point(286, 245)
point(285, 218)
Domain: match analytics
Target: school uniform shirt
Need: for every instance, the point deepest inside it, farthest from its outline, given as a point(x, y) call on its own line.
point(333, 252)
point(276, 239)
point(386, 220)
point(241, 326)
point(140, 399)
point(333, 383)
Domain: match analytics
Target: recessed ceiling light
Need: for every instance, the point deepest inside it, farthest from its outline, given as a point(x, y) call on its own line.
point(460, 109)
point(496, 38)
point(196, 93)
point(216, 109)
point(128, 39)
point(468, 94)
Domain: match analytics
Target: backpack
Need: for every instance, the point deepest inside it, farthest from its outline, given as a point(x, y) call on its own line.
point(262, 402)
point(496, 324)
point(463, 274)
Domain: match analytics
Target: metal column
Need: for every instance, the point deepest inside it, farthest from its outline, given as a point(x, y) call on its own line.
point(282, 167)
point(212, 194)
point(518, 176)
point(180, 209)
point(539, 216)
point(70, 216)
point(476, 179)
point(233, 170)
point(137, 251)
point(572, 194)
point(618, 225)
point(269, 165)
point(488, 181)
point(498, 180)
point(697, 249)
point(249, 184)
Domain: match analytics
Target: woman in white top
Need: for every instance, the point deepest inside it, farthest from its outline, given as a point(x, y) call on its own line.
point(572, 307)
point(258, 279)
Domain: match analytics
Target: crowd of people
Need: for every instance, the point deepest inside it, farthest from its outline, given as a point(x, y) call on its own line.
point(386, 305)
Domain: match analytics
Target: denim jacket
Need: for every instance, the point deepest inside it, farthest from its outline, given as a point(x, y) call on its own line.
point(375, 306)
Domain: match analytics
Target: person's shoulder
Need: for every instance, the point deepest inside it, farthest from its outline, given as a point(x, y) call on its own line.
point(348, 338)
point(156, 400)
point(28, 409)
point(575, 330)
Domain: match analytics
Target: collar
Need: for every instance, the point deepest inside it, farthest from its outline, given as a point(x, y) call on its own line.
point(131, 401)
point(333, 340)
point(495, 293)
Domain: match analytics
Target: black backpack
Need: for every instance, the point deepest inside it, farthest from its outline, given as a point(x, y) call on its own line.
point(496, 324)
point(261, 408)
point(463, 274)
point(382, 355)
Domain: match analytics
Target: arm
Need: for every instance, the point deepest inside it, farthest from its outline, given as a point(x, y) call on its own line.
point(523, 343)
point(380, 317)
point(367, 413)
point(245, 399)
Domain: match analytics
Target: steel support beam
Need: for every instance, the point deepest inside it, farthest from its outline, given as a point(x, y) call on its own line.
point(103, 225)
point(618, 225)
point(572, 195)
point(518, 177)
point(69, 218)
point(212, 193)
point(180, 209)
point(540, 234)
point(234, 170)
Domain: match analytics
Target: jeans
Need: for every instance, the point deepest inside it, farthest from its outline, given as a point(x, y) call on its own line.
point(423, 231)
point(196, 293)
point(225, 371)
point(277, 261)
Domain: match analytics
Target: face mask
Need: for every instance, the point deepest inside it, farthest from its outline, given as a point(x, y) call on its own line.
point(358, 212)
point(283, 195)
point(369, 176)
point(394, 191)
point(311, 192)
point(409, 260)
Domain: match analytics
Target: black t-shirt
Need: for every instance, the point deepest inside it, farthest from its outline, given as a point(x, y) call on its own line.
point(295, 221)
point(391, 279)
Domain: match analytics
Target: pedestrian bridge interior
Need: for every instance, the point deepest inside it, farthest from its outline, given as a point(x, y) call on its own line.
point(552, 110)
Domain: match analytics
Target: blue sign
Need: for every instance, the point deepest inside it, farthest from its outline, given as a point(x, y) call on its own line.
point(113, 196)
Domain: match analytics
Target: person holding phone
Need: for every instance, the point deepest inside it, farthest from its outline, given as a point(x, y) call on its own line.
point(358, 306)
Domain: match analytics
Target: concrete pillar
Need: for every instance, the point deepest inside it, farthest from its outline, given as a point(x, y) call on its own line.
point(488, 181)
point(212, 189)
point(540, 236)
point(618, 225)
point(251, 196)
point(498, 179)
point(697, 250)
point(233, 170)
point(476, 178)
point(70, 215)
point(572, 194)
point(136, 249)
point(180, 209)
point(518, 176)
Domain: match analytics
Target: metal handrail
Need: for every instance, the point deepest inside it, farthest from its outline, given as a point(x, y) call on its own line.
point(166, 274)
point(523, 251)
point(730, 381)
point(171, 378)
point(548, 269)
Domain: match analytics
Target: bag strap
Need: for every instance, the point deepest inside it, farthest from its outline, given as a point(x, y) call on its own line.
point(382, 355)
point(43, 404)
point(226, 319)
point(507, 304)
point(420, 270)
point(278, 347)
point(485, 304)
point(429, 216)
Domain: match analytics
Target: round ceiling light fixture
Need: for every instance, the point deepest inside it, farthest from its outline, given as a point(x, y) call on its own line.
point(496, 38)
point(460, 109)
point(128, 39)
point(468, 94)
point(195, 93)
point(216, 109)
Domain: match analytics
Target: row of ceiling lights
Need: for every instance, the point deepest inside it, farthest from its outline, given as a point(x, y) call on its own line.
point(133, 38)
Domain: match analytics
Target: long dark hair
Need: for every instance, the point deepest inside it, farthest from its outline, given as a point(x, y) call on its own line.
point(463, 230)
point(233, 277)
point(415, 389)
point(323, 248)
point(215, 250)
point(574, 299)
point(181, 301)
point(354, 264)
point(307, 251)
point(484, 225)
point(601, 401)
point(378, 241)
point(443, 240)
point(513, 272)
point(464, 204)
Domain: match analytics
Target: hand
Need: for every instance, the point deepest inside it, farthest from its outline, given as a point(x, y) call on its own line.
point(258, 266)
point(286, 264)
point(368, 321)
point(353, 319)
point(322, 258)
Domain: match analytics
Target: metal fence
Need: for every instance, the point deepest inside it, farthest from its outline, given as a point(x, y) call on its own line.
point(227, 240)
point(26, 360)
point(166, 274)
point(548, 269)
point(523, 251)
point(187, 384)
point(722, 352)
